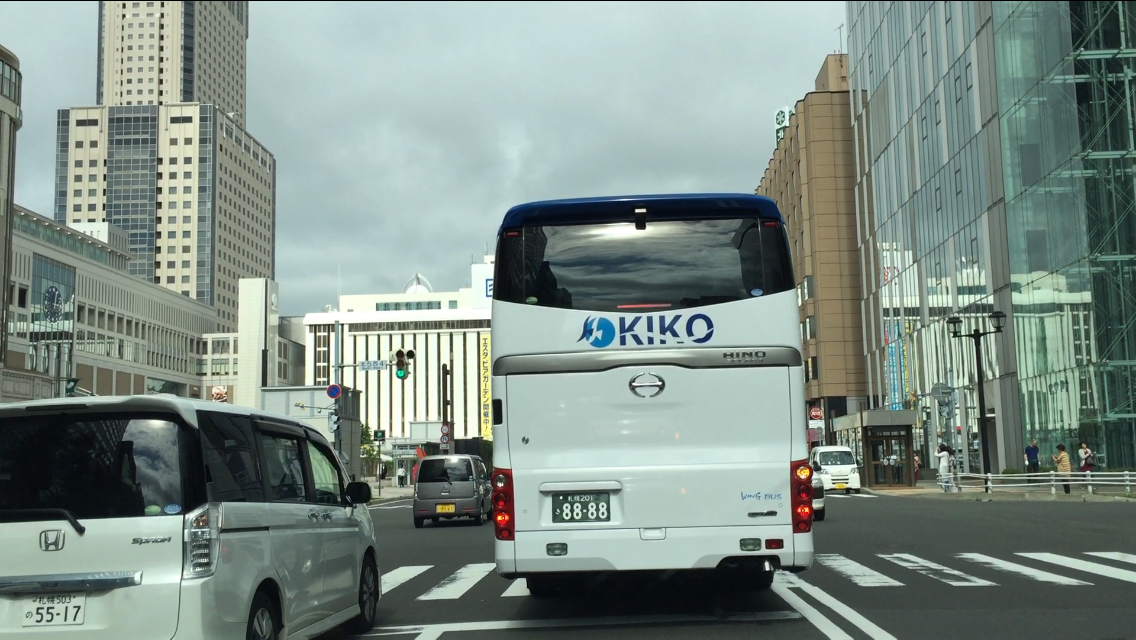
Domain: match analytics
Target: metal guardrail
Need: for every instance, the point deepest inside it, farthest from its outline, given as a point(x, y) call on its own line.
point(1090, 479)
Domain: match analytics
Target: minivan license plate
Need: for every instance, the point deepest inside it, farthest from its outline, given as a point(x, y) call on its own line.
point(581, 507)
point(54, 610)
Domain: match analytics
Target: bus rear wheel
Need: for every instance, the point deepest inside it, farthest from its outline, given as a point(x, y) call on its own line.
point(542, 586)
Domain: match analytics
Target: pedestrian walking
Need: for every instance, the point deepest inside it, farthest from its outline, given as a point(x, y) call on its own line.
point(1032, 464)
point(1064, 468)
point(918, 463)
point(943, 458)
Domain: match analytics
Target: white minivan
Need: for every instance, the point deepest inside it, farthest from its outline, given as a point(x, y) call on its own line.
point(837, 469)
point(160, 517)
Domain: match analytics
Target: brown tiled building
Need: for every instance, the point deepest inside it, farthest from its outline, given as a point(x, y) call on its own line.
point(811, 177)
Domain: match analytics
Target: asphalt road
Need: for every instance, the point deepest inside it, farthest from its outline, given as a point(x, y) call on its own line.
point(894, 567)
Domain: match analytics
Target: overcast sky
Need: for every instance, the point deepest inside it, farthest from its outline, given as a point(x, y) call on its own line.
point(403, 132)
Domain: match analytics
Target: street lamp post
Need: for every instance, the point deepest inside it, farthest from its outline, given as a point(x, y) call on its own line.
point(998, 320)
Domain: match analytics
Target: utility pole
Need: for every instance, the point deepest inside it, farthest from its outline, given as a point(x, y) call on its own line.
point(337, 378)
point(444, 401)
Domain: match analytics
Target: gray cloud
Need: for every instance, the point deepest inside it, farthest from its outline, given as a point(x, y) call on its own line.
point(403, 132)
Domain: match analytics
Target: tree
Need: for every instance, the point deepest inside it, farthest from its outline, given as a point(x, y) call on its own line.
point(369, 451)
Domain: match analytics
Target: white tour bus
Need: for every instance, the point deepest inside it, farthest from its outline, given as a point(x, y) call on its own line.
point(648, 391)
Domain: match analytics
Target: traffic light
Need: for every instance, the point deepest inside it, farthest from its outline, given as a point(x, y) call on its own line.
point(333, 421)
point(72, 383)
point(402, 363)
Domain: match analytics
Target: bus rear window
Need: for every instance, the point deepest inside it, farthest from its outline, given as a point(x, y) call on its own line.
point(671, 264)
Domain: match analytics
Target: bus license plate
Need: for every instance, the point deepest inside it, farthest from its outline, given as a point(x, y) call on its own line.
point(581, 507)
point(54, 610)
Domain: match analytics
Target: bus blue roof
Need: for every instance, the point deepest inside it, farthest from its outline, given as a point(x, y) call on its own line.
point(621, 208)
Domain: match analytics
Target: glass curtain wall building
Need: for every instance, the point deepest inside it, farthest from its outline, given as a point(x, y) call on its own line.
point(991, 143)
point(1065, 100)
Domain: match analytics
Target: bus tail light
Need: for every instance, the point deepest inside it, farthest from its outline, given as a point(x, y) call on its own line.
point(503, 516)
point(801, 477)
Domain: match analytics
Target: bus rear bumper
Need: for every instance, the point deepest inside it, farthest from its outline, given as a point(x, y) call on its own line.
point(650, 549)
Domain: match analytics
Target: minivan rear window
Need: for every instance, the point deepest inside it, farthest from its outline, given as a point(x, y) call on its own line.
point(448, 470)
point(95, 466)
point(670, 264)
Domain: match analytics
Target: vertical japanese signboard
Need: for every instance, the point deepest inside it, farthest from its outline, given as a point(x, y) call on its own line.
point(486, 395)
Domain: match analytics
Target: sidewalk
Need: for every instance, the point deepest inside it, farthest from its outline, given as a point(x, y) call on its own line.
point(388, 493)
point(975, 493)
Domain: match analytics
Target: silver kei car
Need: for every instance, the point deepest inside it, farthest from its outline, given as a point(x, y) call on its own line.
point(452, 486)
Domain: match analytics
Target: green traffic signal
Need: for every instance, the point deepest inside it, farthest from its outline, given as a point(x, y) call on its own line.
point(400, 374)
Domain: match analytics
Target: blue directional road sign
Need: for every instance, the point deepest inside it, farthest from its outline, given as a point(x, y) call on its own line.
point(334, 391)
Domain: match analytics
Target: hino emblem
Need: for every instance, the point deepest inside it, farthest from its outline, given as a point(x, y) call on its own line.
point(51, 540)
point(743, 356)
point(647, 381)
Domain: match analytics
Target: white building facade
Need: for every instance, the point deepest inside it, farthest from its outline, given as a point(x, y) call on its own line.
point(272, 348)
point(450, 328)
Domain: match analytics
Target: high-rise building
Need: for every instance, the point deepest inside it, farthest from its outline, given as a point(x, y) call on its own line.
point(196, 193)
point(10, 120)
point(811, 178)
point(995, 174)
point(165, 155)
point(169, 52)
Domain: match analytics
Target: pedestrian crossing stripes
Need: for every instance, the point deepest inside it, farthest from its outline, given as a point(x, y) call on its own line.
point(428, 583)
point(937, 571)
point(856, 572)
point(456, 585)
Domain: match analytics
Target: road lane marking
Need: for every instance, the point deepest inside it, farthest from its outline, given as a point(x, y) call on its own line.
point(392, 504)
point(1021, 570)
point(520, 587)
point(859, 574)
point(863, 624)
point(461, 581)
point(1083, 565)
point(1114, 555)
point(402, 575)
point(433, 631)
point(781, 587)
point(930, 569)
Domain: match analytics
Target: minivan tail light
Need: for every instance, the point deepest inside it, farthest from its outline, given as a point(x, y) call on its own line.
point(202, 536)
point(504, 524)
point(801, 477)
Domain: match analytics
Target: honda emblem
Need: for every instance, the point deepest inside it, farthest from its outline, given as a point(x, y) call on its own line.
point(51, 540)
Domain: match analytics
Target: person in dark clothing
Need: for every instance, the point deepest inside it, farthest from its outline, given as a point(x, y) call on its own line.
point(1031, 459)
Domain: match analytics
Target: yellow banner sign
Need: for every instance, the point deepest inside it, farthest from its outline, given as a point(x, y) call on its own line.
point(486, 394)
